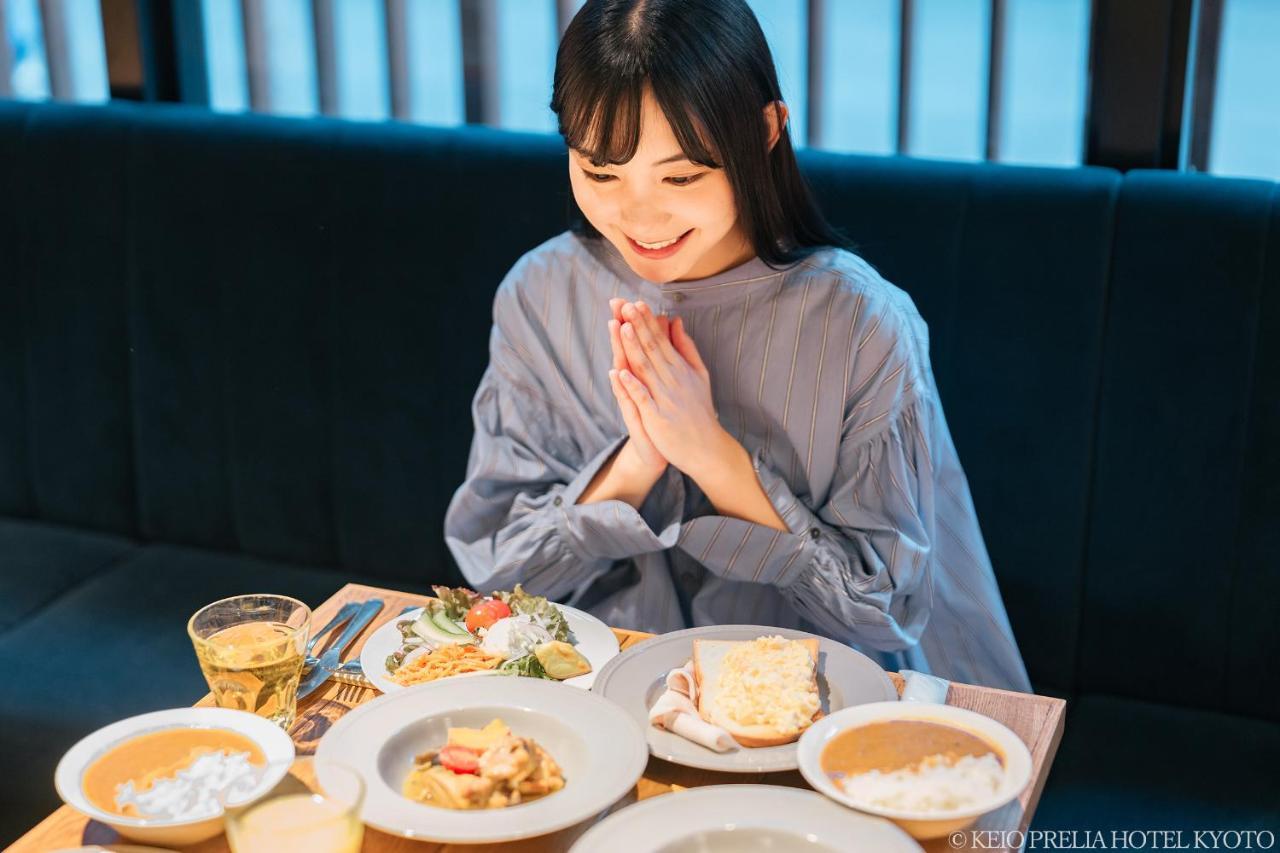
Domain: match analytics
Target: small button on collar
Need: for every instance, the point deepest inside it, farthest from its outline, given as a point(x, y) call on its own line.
point(677, 296)
point(814, 533)
point(559, 500)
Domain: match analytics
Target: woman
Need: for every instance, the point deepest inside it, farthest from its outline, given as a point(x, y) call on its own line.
point(777, 453)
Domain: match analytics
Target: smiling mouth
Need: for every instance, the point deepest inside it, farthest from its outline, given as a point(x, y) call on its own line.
point(660, 249)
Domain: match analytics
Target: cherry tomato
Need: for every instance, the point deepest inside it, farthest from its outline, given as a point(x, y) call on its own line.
point(485, 612)
point(459, 759)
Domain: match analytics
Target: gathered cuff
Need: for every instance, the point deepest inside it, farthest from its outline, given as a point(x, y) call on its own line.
point(614, 529)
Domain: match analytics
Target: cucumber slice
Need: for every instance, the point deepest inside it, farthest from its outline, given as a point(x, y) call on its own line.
point(444, 623)
point(426, 628)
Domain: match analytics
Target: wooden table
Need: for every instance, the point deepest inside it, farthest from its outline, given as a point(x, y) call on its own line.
point(1038, 720)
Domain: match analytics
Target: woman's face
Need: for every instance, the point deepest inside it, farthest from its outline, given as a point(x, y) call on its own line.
point(657, 197)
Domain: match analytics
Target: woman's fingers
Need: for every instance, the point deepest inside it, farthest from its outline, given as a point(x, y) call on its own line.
point(619, 350)
point(615, 343)
point(649, 329)
point(630, 414)
point(644, 350)
point(686, 347)
point(638, 360)
point(638, 393)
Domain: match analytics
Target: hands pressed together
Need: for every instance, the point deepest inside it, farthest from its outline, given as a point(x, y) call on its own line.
point(664, 392)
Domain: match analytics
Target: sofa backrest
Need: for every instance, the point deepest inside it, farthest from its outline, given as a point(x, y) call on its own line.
point(263, 335)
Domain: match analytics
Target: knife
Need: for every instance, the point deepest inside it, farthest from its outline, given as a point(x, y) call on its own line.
point(332, 657)
point(352, 672)
point(348, 610)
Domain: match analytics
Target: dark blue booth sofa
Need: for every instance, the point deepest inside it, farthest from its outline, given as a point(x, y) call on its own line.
point(238, 354)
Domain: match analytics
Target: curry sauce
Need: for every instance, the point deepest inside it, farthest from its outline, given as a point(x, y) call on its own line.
point(896, 744)
point(157, 755)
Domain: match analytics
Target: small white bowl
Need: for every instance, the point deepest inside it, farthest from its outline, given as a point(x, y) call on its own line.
point(1014, 755)
point(270, 738)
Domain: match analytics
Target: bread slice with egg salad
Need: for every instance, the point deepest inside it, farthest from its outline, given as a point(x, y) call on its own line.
point(764, 692)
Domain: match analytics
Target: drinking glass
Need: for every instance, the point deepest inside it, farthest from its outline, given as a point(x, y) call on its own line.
point(250, 649)
point(327, 822)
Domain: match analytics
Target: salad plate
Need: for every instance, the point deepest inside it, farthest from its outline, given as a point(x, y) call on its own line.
point(461, 633)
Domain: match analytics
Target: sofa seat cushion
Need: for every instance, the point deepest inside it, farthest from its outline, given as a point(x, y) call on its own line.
point(39, 562)
point(1130, 765)
point(116, 646)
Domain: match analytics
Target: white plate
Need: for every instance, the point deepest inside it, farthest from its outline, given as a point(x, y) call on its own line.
point(270, 738)
point(599, 748)
point(637, 678)
point(596, 642)
point(1016, 759)
point(742, 819)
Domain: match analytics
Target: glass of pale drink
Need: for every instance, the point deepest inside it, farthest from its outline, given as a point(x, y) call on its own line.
point(250, 649)
point(315, 823)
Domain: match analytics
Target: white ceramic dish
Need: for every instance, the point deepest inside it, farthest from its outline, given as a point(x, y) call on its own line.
point(599, 748)
point(274, 743)
point(635, 680)
point(1013, 753)
point(596, 642)
point(741, 819)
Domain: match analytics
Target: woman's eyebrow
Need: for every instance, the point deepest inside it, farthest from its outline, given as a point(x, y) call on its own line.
point(674, 158)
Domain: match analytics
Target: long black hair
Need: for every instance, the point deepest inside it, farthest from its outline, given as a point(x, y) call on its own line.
point(711, 72)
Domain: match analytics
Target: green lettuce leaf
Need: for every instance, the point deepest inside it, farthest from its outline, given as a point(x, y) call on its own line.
point(528, 666)
point(456, 600)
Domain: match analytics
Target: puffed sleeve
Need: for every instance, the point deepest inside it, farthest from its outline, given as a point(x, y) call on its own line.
point(857, 566)
point(515, 518)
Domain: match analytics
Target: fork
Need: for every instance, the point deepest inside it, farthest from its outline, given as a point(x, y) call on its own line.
point(346, 612)
point(352, 674)
point(349, 691)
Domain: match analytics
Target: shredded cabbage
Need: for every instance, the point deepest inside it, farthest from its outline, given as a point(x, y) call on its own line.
point(543, 612)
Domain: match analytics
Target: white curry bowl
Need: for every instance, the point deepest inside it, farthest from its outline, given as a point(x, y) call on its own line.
point(1012, 752)
point(270, 738)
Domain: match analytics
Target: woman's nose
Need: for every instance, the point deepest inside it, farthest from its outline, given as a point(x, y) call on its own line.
point(639, 208)
point(642, 212)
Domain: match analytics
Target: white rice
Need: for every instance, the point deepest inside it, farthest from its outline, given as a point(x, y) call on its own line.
point(195, 790)
point(933, 785)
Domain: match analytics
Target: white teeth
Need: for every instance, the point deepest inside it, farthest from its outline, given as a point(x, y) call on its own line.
point(657, 245)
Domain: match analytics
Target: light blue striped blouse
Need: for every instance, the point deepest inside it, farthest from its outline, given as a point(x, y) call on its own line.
point(822, 372)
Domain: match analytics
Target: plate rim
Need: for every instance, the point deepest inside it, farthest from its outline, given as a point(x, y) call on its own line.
point(645, 807)
point(396, 688)
point(640, 755)
point(710, 762)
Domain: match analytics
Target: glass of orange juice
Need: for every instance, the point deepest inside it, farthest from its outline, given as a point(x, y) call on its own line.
point(251, 649)
point(327, 822)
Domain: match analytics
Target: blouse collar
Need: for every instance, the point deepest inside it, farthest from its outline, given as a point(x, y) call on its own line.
point(727, 286)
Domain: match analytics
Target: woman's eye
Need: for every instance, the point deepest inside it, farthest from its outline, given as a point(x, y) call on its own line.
point(684, 180)
point(598, 177)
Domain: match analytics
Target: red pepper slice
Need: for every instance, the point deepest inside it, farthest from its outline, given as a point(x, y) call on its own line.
point(459, 759)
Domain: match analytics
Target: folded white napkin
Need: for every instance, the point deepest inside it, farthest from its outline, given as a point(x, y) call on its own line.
point(923, 687)
point(677, 711)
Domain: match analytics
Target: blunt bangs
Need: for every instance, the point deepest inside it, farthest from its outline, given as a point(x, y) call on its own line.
point(599, 117)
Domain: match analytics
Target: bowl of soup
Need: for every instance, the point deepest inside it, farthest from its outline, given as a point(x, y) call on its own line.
point(931, 769)
point(165, 777)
